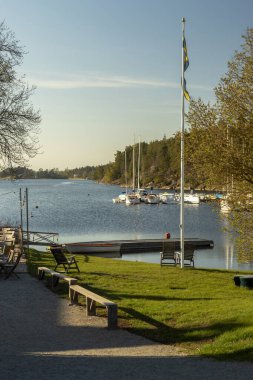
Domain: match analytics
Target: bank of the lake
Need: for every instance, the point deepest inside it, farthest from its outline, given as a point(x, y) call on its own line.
point(199, 310)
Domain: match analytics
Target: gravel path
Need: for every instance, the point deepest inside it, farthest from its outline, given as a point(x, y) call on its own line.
point(43, 337)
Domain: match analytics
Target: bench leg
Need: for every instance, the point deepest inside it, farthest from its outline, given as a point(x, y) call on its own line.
point(112, 316)
point(90, 306)
point(73, 281)
point(54, 281)
point(41, 274)
point(73, 296)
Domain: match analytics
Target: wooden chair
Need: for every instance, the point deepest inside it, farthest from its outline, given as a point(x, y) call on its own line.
point(7, 246)
point(61, 259)
point(8, 268)
point(168, 253)
point(8, 258)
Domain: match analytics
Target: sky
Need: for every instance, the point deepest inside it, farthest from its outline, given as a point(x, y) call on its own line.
point(108, 71)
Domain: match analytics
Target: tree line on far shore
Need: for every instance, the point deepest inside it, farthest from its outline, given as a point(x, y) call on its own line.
point(159, 164)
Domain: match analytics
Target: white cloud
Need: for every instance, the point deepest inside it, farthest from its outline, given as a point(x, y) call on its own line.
point(97, 81)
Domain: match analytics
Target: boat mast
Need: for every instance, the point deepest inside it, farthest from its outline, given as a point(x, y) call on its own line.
point(182, 156)
point(126, 169)
point(139, 161)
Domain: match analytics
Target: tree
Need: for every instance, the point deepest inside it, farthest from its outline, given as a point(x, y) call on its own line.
point(221, 136)
point(18, 121)
point(220, 142)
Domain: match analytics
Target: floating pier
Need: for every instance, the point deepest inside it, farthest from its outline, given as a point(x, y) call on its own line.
point(125, 246)
point(155, 245)
point(131, 246)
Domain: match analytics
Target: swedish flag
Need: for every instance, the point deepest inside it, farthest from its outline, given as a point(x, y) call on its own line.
point(186, 64)
point(186, 59)
point(186, 93)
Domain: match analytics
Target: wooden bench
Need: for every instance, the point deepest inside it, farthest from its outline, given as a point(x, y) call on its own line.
point(91, 299)
point(55, 276)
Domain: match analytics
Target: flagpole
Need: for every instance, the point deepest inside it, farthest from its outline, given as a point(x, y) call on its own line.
point(134, 167)
point(139, 162)
point(182, 158)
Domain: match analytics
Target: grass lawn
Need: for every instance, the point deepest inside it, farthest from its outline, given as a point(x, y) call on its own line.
point(200, 310)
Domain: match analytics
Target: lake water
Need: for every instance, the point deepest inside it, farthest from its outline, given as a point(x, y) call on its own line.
point(81, 210)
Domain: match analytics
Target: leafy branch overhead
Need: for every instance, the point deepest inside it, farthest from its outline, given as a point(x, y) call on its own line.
point(18, 120)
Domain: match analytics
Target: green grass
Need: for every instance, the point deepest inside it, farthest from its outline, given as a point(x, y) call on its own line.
point(199, 310)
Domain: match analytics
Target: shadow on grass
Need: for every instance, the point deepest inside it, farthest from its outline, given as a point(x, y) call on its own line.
point(119, 296)
point(164, 333)
point(242, 355)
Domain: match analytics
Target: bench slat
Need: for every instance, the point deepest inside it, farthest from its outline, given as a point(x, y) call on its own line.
point(55, 276)
point(91, 299)
point(87, 293)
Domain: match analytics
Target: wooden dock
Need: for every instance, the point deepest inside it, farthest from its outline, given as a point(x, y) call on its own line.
point(126, 246)
point(155, 245)
point(137, 246)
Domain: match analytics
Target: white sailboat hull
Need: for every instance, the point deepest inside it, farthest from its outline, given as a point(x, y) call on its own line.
point(167, 198)
point(152, 199)
point(132, 200)
point(191, 198)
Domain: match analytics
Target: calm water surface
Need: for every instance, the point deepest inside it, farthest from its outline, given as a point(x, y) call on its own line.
point(83, 211)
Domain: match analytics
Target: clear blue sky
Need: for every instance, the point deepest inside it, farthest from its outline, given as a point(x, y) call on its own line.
point(107, 70)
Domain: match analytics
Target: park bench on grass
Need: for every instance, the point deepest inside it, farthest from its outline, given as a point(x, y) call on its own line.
point(55, 276)
point(91, 300)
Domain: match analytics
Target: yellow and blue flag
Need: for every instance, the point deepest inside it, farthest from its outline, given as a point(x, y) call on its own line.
point(186, 59)
point(186, 64)
point(186, 93)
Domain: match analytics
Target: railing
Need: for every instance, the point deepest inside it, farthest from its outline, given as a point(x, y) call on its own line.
point(40, 238)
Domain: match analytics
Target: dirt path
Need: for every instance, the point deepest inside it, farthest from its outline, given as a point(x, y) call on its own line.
point(43, 337)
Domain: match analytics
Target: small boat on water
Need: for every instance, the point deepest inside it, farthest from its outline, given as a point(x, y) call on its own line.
point(103, 249)
point(142, 194)
point(167, 198)
point(132, 199)
point(152, 199)
point(224, 206)
point(192, 198)
point(121, 198)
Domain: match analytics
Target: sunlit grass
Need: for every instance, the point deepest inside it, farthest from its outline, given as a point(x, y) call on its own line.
point(199, 310)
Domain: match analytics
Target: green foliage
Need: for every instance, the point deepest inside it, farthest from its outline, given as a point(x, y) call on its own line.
point(159, 163)
point(200, 311)
point(220, 138)
point(220, 143)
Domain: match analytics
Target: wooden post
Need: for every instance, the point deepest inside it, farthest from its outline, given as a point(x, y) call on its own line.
point(112, 311)
point(90, 306)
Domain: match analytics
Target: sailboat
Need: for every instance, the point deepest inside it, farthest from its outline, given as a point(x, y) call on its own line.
point(168, 198)
point(141, 193)
point(122, 197)
point(132, 198)
point(192, 198)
